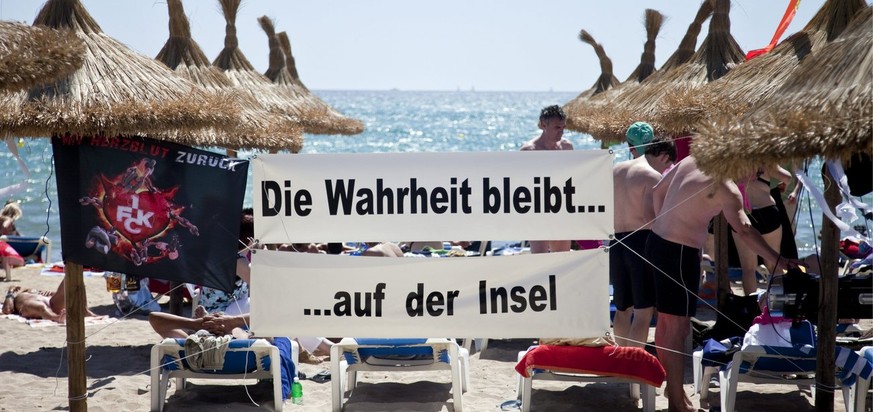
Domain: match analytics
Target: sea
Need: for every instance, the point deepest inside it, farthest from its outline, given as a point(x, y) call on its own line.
point(395, 121)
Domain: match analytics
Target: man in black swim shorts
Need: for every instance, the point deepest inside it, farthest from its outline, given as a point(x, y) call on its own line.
point(684, 202)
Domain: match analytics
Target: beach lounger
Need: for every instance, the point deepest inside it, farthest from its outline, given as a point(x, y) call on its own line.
point(604, 364)
point(30, 248)
point(863, 384)
point(773, 365)
point(354, 355)
point(244, 359)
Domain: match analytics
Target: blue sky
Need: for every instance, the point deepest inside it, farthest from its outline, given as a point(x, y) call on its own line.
point(507, 45)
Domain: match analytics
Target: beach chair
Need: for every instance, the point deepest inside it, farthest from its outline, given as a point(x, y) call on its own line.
point(30, 248)
point(354, 355)
point(765, 365)
point(605, 364)
point(862, 385)
point(244, 359)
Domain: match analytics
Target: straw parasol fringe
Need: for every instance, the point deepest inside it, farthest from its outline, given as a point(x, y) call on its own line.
point(290, 63)
point(718, 54)
point(321, 118)
point(234, 64)
point(759, 78)
point(116, 91)
point(823, 109)
point(688, 44)
point(653, 22)
point(257, 128)
point(606, 115)
point(605, 81)
point(34, 55)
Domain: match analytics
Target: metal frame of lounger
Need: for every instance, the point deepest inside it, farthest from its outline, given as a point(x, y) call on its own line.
point(638, 390)
point(344, 375)
point(262, 349)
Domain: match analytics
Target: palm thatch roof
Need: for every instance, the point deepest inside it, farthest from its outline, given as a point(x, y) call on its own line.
point(823, 109)
point(606, 116)
point(116, 91)
point(323, 118)
point(34, 55)
point(234, 64)
point(717, 55)
point(757, 79)
point(257, 128)
point(605, 81)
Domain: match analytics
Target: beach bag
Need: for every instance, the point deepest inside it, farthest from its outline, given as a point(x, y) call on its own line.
point(736, 316)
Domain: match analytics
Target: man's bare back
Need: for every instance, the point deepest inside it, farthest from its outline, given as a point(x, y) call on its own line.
point(633, 182)
point(684, 209)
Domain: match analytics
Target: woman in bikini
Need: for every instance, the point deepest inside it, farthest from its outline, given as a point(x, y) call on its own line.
point(38, 304)
point(765, 217)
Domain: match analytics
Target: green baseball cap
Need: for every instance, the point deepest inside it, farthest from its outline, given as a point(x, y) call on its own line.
point(639, 133)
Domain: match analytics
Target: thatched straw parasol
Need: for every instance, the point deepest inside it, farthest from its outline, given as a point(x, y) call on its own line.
point(599, 110)
point(257, 129)
point(345, 125)
point(606, 80)
point(322, 119)
point(717, 55)
point(36, 55)
point(234, 64)
point(116, 91)
point(757, 79)
point(577, 108)
point(653, 22)
point(823, 109)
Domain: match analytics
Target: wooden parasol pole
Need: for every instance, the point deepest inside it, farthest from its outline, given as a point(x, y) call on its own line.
point(74, 295)
point(825, 369)
point(721, 231)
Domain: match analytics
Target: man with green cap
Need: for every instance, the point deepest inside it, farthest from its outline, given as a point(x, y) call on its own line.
point(639, 134)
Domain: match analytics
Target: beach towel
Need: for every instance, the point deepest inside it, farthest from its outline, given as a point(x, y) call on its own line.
point(620, 361)
point(57, 269)
point(206, 351)
point(40, 323)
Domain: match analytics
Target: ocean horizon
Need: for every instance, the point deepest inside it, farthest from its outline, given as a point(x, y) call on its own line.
point(395, 121)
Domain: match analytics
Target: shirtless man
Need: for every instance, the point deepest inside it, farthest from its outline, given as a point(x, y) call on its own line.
point(631, 277)
point(38, 304)
point(684, 201)
point(552, 122)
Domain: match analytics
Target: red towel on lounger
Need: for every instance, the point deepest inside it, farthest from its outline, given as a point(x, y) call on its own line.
point(633, 363)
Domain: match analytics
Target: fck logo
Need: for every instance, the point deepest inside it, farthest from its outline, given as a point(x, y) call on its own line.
point(133, 224)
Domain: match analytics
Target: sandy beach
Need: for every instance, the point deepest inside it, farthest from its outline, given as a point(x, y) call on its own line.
point(33, 373)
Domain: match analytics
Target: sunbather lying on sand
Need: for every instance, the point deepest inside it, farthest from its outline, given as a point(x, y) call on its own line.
point(37, 304)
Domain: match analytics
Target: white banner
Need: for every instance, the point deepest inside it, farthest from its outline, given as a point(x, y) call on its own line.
point(525, 296)
point(531, 195)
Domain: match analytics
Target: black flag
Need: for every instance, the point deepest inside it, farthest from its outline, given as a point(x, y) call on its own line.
point(150, 208)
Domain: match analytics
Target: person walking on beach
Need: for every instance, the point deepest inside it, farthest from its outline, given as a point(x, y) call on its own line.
point(631, 277)
point(552, 123)
point(685, 199)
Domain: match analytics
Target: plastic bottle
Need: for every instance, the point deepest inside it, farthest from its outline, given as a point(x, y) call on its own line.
point(297, 392)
